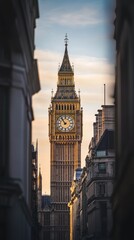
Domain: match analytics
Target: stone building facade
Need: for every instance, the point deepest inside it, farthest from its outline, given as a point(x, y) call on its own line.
point(74, 206)
point(91, 194)
point(100, 177)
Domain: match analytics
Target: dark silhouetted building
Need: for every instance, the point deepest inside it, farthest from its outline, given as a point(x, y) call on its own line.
point(34, 198)
point(18, 82)
point(45, 217)
point(123, 196)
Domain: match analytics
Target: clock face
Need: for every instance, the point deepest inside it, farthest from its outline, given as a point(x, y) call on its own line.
point(65, 123)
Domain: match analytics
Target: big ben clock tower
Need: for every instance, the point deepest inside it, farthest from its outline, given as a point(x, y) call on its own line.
point(65, 135)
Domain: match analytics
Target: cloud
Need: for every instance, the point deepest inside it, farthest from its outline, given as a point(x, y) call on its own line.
point(93, 65)
point(83, 16)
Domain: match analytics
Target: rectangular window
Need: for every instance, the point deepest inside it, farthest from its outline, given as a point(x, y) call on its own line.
point(101, 153)
point(102, 167)
point(101, 189)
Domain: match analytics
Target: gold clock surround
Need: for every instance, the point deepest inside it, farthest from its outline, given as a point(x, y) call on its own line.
point(65, 123)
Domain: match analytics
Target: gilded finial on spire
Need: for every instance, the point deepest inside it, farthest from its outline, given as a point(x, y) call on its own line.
point(66, 40)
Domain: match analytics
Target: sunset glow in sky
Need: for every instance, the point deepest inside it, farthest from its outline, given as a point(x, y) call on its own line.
point(89, 25)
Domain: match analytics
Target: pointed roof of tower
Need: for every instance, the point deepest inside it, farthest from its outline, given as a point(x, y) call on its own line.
point(65, 66)
point(40, 179)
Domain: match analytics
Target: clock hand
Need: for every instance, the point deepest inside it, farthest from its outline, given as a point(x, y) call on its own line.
point(63, 121)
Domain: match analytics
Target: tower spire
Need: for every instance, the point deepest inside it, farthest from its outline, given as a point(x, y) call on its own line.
point(104, 94)
point(40, 179)
point(65, 66)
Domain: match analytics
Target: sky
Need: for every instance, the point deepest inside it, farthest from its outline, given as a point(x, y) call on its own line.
point(91, 48)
